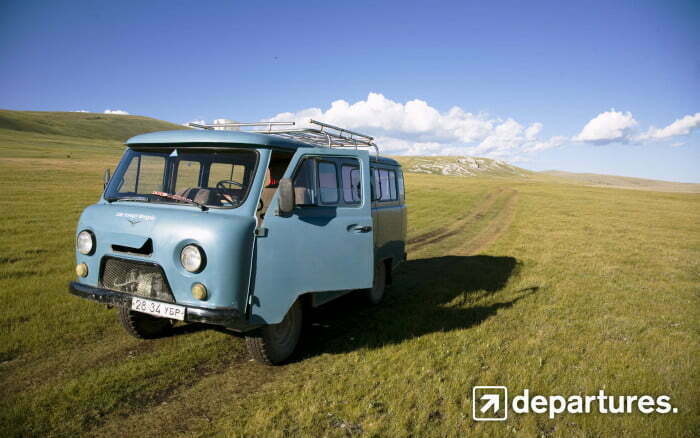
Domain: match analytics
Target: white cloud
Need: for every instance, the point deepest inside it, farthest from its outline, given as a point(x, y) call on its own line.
point(397, 146)
point(415, 118)
point(120, 112)
point(682, 126)
point(533, 130)
point(80, 111)
point(607, 127)
point(416, 128)
point(553, 142)
point(613, 126)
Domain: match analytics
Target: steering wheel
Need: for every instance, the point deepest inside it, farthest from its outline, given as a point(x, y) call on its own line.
point(220, 186)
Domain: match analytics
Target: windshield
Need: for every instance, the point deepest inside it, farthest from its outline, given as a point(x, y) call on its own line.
point(204, 178)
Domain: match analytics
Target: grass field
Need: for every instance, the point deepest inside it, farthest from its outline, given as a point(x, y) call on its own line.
point(524, 282)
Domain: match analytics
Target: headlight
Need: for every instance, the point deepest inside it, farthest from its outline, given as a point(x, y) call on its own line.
point(192, 258)
point(86, 242)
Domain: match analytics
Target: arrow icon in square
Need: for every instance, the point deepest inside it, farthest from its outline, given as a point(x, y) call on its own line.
point(490, 400)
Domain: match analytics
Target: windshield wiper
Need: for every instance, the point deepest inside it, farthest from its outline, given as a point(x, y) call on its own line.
point(129, 198)
point(181, 199)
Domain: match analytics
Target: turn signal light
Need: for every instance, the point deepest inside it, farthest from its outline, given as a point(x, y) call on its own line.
point(81, 270)
point(199, 292)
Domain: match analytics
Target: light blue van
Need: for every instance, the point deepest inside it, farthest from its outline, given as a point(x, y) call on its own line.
point(241, 229)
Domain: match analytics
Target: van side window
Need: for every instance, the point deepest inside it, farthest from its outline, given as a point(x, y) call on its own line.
point(352, 191)
point(375, 184)
point(385, 195)
point(328, 182)
point(304, 192)
point(392, 184)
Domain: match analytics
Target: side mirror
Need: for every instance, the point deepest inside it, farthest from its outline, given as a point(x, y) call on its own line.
point(107, 177)
point(286, 197)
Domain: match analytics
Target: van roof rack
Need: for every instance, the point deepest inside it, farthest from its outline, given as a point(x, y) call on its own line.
point(322, 134)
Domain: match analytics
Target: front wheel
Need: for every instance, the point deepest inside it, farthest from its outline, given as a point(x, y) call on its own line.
point(273, 344)
point(143, 326)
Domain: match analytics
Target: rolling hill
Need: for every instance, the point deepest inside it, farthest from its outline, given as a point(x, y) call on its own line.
point(476, 166)
point(460, 166)
point(84, 125)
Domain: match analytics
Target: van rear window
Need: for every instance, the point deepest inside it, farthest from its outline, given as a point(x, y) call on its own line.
point(401, 193)
point(384, 185)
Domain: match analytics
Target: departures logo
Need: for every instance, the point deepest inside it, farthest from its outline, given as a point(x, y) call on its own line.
point(491, 403)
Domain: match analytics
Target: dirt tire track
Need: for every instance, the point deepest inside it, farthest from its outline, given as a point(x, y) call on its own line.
point(438, 234)
point(458, 226)
point(492, 231)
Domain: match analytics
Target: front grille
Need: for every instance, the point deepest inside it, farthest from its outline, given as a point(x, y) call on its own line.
point(138, 278)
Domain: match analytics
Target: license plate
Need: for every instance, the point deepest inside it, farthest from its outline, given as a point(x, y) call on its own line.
point(157, 308)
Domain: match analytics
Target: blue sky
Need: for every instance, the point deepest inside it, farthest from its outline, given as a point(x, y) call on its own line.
point(579, 86)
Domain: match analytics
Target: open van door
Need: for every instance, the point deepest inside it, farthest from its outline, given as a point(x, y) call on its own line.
point(326, 242)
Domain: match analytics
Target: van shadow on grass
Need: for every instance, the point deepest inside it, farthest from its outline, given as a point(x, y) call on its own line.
point(428, 295)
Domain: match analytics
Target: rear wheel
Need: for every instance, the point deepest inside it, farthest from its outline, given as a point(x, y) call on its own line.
point(376, 293)
point(273, 344)
point(143, 326)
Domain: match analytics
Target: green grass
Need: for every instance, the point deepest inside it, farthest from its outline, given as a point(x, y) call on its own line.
point(561, 289)
point(82, 125)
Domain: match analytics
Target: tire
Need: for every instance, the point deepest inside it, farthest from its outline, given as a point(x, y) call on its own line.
point(273, 344)
point(376, 293)
point(143, 326)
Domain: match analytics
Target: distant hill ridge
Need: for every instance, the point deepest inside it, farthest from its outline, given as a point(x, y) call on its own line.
point(84, 125)
point(627, 182)
point(475, 166)
point(460, 166)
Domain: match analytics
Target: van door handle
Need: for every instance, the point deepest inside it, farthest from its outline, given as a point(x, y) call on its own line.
point(359, 229)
